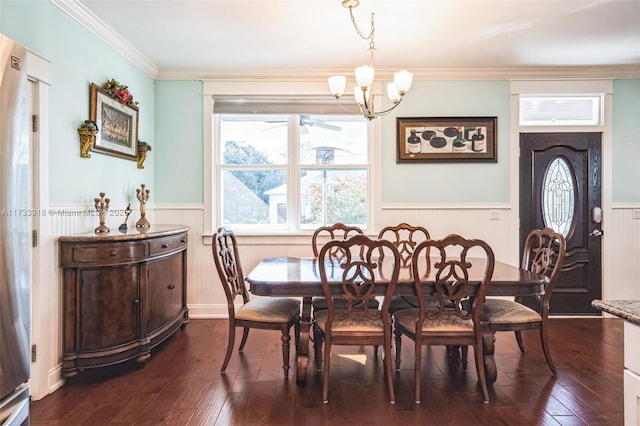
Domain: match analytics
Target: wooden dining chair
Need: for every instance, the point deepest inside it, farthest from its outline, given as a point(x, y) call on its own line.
point(543, 253)
point(405, 238)
point(354, 280)
point(336, 231)
point(263, 313)
point(457, 317)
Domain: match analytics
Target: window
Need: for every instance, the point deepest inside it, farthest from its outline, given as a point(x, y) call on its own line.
point(560, 110)
point(290, 171)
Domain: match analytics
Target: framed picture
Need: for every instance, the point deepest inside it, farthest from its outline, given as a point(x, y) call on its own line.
point(117, 124)
point(446, 139)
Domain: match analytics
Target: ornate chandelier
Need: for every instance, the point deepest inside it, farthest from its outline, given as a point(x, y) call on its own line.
point(365, 74)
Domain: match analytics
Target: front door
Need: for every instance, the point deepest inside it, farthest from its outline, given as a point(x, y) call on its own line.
point(560, 188)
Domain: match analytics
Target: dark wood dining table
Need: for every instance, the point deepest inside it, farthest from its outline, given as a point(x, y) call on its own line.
point(300, 277)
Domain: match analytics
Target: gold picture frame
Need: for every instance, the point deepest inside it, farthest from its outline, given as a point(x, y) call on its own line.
point(446, 139)
point(117, 124)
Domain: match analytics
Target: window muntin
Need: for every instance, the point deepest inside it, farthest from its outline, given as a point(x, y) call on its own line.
point(331, 171)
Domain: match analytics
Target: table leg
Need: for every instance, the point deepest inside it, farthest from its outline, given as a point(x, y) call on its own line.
point(303, 346)
point(490, 369)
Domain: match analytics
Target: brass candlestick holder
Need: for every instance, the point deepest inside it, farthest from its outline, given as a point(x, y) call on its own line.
point(102, 205)
point(142, 195)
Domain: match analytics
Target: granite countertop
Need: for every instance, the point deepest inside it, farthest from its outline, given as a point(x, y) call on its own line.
point(626, 309)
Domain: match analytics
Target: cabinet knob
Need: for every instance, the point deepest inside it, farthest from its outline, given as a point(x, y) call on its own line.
point(171, 287)
point(183, 240)
point(165, 246)
point(136, 301)
point(113, 253)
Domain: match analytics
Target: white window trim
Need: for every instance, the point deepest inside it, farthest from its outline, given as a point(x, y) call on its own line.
point(285, 89)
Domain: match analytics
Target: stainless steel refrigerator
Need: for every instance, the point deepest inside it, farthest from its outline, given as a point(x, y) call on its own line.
point(15, 263)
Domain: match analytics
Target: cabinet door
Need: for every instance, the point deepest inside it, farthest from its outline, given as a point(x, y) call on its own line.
point(109, 307)
point(165, 290)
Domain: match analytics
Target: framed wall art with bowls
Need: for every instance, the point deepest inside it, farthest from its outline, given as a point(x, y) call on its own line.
point(446, 139)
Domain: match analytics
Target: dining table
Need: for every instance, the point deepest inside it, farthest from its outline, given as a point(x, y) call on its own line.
point(300, 277)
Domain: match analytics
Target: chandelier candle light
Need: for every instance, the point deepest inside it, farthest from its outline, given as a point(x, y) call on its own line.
point(365, 74)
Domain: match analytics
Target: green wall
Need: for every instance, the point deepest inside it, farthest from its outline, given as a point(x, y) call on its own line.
point(171, 121)
point(78, 58)
point(179, 135)
point(448, 182)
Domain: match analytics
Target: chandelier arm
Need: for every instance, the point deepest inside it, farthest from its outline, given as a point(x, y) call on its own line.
point(345, 109)
point(370, 115)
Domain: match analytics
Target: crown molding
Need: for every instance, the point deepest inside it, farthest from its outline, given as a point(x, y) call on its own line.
point(78, 12)
point(532, 73)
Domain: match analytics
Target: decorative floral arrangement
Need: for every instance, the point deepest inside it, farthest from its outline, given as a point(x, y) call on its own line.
point(142, 145)
point(120, 92)
point(89, 124)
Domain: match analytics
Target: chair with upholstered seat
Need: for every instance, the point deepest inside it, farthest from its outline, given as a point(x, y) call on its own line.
point(354, 280)
point(459, 264)
point(322, 234)
point(337, 231)
point(405, 238)
point(543, 253)
point(264, 313)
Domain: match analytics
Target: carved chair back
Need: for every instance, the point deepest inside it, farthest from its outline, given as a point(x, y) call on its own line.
point(405, 238)
point(337, 231)
point(358, 276)
point(544, 253)
point(453, 258)
point(227, 261)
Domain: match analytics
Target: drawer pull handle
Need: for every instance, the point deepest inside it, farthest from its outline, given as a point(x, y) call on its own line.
point(136, 301)
point(171, 287)
point(114, 253)
point(165, 246)
point(183, 240)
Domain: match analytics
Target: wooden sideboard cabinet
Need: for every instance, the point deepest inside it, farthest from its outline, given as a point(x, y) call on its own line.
point(123, 294)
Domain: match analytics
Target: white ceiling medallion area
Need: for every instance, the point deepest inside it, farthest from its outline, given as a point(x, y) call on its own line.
point(223, 40)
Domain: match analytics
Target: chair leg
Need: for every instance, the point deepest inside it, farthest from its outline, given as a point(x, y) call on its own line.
point(417, 368)
point(325, 374)
point(296, 330)
point(465, 353)
point(482, 377)
point(398, 335)
point(317, 346)
point(389, 368)
point(245, 335)
point(520, 342)
point(285, 350)
point(547, 349)
point(230, 342)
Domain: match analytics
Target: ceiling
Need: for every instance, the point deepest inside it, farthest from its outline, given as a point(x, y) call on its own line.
point(285, 37)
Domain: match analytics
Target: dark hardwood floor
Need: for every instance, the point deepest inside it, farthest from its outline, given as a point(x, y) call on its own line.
point(182, 385)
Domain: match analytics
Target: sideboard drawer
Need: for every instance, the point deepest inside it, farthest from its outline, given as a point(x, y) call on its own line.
point(112, 254)
point(165, 245)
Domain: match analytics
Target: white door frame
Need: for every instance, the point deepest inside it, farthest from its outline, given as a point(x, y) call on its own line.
point(43, 269)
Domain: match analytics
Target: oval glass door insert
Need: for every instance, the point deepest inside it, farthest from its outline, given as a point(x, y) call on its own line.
point(558, 196)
